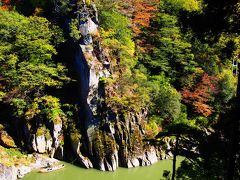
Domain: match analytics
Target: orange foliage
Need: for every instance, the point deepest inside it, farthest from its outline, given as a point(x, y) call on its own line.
point(6, 4)
point(140, 11)
point(201, 94)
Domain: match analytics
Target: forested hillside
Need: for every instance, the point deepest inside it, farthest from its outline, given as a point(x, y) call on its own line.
point(122, 83)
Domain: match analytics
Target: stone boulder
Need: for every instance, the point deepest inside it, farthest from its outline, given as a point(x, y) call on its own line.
point(22, 171)
point(85, 161)
point(151, 155)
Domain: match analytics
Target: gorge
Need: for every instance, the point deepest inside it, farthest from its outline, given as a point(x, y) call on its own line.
point(98, 137)
point(115, 84)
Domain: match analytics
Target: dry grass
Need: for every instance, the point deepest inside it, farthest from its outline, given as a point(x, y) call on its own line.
point(13, 156)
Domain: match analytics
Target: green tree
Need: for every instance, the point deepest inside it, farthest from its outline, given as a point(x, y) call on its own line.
point(166, 106)
point(27, 47)
point(186, 133)
point(169, 50)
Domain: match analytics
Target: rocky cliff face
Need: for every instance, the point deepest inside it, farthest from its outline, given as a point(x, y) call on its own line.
point(45, 138)
point(110, 139)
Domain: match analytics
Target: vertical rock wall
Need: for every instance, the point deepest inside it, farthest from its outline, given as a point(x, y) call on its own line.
point(108, 139)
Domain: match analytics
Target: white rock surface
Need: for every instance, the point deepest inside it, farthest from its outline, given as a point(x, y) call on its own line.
point(41, 144)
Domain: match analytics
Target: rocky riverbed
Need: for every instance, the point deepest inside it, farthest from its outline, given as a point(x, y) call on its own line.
point(17, 172)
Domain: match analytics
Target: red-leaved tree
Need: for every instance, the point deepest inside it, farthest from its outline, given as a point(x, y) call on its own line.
point(200, 96)
point(5, 4)
point(140, 12)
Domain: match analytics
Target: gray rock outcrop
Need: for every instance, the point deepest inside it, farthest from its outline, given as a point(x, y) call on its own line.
point(111, 139)
point(8, 173)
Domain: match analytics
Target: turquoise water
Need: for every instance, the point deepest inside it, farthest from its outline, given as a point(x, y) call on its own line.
point(71, 172)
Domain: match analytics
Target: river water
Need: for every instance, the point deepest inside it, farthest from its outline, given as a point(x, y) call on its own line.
point(71, 172)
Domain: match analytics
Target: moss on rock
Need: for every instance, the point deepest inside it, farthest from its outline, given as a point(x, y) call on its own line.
point(6, 140)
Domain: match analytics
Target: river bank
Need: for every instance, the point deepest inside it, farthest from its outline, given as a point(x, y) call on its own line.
point(30, 171)
point(14, 172)
point(71, 172)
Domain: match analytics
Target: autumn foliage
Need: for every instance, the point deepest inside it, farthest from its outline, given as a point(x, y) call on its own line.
point(140, 12)
point(201, 94)
point(5, 4)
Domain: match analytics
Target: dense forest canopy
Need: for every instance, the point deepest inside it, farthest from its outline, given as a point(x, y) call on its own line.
point(173, 58)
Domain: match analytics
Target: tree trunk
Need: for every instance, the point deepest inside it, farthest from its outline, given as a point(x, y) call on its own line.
point(175, 157)
point(235, 135)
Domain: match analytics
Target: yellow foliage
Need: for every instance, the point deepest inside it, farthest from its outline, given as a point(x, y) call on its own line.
point(10, 157)
point(191, 5)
